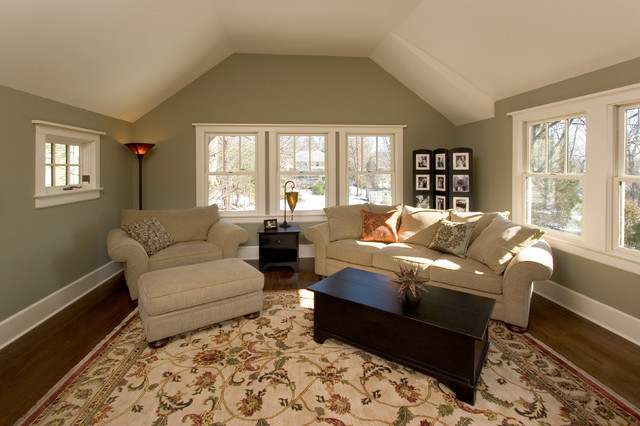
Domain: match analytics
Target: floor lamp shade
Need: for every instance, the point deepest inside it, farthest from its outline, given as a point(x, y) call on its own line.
point(140, 149)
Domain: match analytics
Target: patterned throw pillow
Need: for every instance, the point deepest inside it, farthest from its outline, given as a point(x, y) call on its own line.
point(150, 233)
point(453, 237)
point(381, 227)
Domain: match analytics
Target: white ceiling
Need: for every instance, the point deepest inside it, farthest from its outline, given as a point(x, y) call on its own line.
point(123, 57)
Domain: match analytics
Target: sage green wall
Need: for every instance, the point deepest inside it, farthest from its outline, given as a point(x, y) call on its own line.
point(491, 141)
point(278, 89)
point(43, 250)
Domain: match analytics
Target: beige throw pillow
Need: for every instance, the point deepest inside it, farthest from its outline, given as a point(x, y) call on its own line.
point(150, 234)
point(501, 241)
point(452, 237)
point(481, 219)
point(418, 226)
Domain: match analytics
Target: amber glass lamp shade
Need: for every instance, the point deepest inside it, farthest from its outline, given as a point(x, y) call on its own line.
point(292, 199)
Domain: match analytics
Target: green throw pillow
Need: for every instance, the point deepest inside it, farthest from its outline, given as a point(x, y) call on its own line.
point(452, 237)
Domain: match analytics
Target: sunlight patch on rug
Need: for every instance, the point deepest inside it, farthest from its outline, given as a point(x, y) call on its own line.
point(269, 371)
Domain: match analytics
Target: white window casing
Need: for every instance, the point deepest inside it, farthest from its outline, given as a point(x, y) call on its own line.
point(88, 188)
point(600, 197)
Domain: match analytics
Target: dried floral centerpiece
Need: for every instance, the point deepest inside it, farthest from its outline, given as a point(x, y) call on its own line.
point(410, 284)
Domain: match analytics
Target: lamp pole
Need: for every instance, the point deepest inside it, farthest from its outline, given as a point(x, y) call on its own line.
point(140, 149)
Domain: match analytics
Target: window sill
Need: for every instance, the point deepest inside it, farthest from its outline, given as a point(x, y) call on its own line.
point(259, 218)
point(619, 260)
point(66, 197)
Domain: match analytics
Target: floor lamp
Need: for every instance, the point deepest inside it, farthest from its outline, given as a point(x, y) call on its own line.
point(140, 149)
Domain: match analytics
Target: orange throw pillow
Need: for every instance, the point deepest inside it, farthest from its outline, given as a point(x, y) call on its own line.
point(380, 227)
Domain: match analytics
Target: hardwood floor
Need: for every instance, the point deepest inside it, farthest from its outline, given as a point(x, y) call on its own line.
point(33, 364)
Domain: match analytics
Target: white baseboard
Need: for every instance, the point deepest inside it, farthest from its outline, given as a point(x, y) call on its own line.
point(252, 252)
point(30, 317)
point(616, 321)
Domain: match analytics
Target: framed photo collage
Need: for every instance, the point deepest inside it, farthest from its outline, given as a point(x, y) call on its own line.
point(443, 178)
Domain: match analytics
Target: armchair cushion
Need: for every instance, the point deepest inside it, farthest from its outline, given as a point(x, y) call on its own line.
point(150, 234)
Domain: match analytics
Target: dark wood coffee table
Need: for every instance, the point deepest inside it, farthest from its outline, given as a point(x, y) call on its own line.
point(445, 336)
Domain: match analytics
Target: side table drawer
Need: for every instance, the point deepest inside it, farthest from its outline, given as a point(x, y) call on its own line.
point(278, 241)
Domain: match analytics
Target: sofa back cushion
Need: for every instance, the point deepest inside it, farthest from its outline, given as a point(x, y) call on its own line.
point(183, 225)
point(418, 226)
point(345, 221)
point(481, 219)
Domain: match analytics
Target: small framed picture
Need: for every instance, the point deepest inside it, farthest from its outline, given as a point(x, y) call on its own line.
point(422, 181)
point(441, 202)
point(460, 183)
point(441, 183)
point(422, 201)
point(423, 161)
point(270, 224)
point(441, 161)
point(460, 161)
point(461, 204)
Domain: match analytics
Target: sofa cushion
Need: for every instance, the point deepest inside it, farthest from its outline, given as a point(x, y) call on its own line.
point(453, 237)
point(465, 273)
point(501, 241)
point(183, 225)
point(418, 226)
point(481, 219)
point(185, 253)
point(150, 233)
point(354, 251)
point(395, 255)
point(381, 208)
point(381, 227)
point(345, 221)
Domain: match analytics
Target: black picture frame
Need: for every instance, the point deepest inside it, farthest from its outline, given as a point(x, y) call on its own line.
point(441, 202)
point(441, 161)
point(460, 161)
point(461, 183)
point(441, 182)
point(270, 224)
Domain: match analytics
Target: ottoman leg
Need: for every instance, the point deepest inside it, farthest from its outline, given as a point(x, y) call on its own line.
point(158, 344)
point(252, 315)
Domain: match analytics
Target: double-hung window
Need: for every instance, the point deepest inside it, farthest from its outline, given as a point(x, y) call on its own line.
point(67, 164)
point(628, 181)
point(302, 158)
point(585, 195)
point(556, 168)
point(228, 164)
point(371, 163)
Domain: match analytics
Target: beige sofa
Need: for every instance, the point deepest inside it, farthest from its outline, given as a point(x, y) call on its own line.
point(492, 266)
point(192, 236)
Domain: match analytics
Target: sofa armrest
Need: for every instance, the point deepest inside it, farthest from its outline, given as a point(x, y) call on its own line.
point(534, 263)
point(228, 236)
point(319, 236)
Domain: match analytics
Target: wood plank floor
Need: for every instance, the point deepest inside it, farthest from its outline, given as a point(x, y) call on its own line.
point(33, 364)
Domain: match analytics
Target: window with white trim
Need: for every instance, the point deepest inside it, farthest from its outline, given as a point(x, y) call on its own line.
point(67, 164)
point(302, 159)
point(585, 195)
point(628, 180)
point(304, 154)
point(556, 168)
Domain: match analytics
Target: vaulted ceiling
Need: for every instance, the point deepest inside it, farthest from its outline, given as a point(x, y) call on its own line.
point(123, 57)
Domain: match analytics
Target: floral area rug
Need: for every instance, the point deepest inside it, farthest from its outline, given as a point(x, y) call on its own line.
point(269, 371)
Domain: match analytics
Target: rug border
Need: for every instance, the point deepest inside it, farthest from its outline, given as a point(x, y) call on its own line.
point(613, 396)
point(56, 389)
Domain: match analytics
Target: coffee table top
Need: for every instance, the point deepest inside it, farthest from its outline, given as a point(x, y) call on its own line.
point(452, 310)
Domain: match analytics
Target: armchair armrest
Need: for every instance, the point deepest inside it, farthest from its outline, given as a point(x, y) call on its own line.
point(122, 248)
point(228, 236)
point(319, 236)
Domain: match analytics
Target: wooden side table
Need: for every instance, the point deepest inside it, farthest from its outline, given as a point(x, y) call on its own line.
point(279, 247)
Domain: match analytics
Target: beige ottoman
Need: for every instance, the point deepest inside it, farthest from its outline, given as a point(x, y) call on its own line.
point(185, 298)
